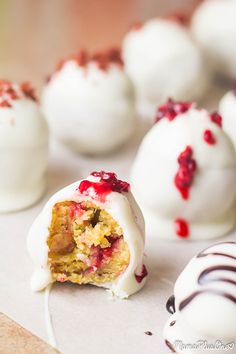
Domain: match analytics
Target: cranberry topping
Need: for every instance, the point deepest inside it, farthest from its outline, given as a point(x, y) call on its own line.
point(108, 183)
point(181, 228)
point(136, 26)
point(28, 90)
point(144, 273)
point(178, 17)
point(7, 93)
point(10, 92)
point(209, 137)
point(185, 175)
point(172, 109)
point(216, 118)
point(103, 59)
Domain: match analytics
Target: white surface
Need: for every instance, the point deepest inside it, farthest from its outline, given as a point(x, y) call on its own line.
point(85, 320)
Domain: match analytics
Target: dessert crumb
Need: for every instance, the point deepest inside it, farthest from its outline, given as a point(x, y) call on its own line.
point(148, 333)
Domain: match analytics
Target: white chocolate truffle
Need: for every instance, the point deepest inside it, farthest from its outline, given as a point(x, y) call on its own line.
point(163, 61)
point(184, 175)
point(214, 28)
point(227, 108)
point(23, 147)
point(90, 232)
point(204, 303)
point(89, 103)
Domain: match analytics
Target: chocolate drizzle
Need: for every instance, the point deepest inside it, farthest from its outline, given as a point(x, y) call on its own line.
point(169, 345)
point(170, 305)
point(208, 276)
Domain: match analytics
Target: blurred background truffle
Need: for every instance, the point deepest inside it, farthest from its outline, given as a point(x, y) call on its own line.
point(34, 34)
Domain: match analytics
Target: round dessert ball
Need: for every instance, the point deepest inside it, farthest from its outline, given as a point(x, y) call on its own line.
point(163, 61)
point(23, 147)
point(203, 307)
point(214, 28)
point(89, 102)
point(227, 108)
point(184, 175)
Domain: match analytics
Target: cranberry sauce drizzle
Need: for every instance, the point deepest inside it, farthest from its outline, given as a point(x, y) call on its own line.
point(171, 110)
point(181, 228)
point(209, 137)
point(144, 273)
point(28, 90)
point(216, 118)
point(185, 175)
point(108, 183)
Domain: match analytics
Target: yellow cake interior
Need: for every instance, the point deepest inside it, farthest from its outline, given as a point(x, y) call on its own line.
point(86, 244)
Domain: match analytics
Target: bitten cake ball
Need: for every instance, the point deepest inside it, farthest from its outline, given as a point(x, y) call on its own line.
point(90, 232)
point(89, 102)
point(162, 61)
point(227, 108)
point(184, 175)
point(23, 147)
point(214, 28)
point(203, 307)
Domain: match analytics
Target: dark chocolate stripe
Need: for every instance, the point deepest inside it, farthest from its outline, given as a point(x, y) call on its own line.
point(189, 299)
point(170, 305)
point(169, 345)
point(216, 254)
point(203, 277)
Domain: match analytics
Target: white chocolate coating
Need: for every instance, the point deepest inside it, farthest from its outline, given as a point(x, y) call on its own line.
point(227, 108)
point(23, 153)
point(89, 109)
point(122, 207)
point(209, 210)
point(214, 28)
point(163, 61)
point(209, 282)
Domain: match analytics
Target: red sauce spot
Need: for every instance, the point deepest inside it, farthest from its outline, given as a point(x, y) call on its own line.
point(144, 273)
point(209, 137)
point(216, 118)
point(28, 90)
point(185, 175)
point(103, 59)
point(181, 228)
point(172, 109)
point(108, 183)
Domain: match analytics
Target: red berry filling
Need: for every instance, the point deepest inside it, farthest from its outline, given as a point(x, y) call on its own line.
point(185, 175)
point(172, 109)
point(209, 137)
point(181, 228)
point(108, 183)
point(144, 273)
point(216, 118)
